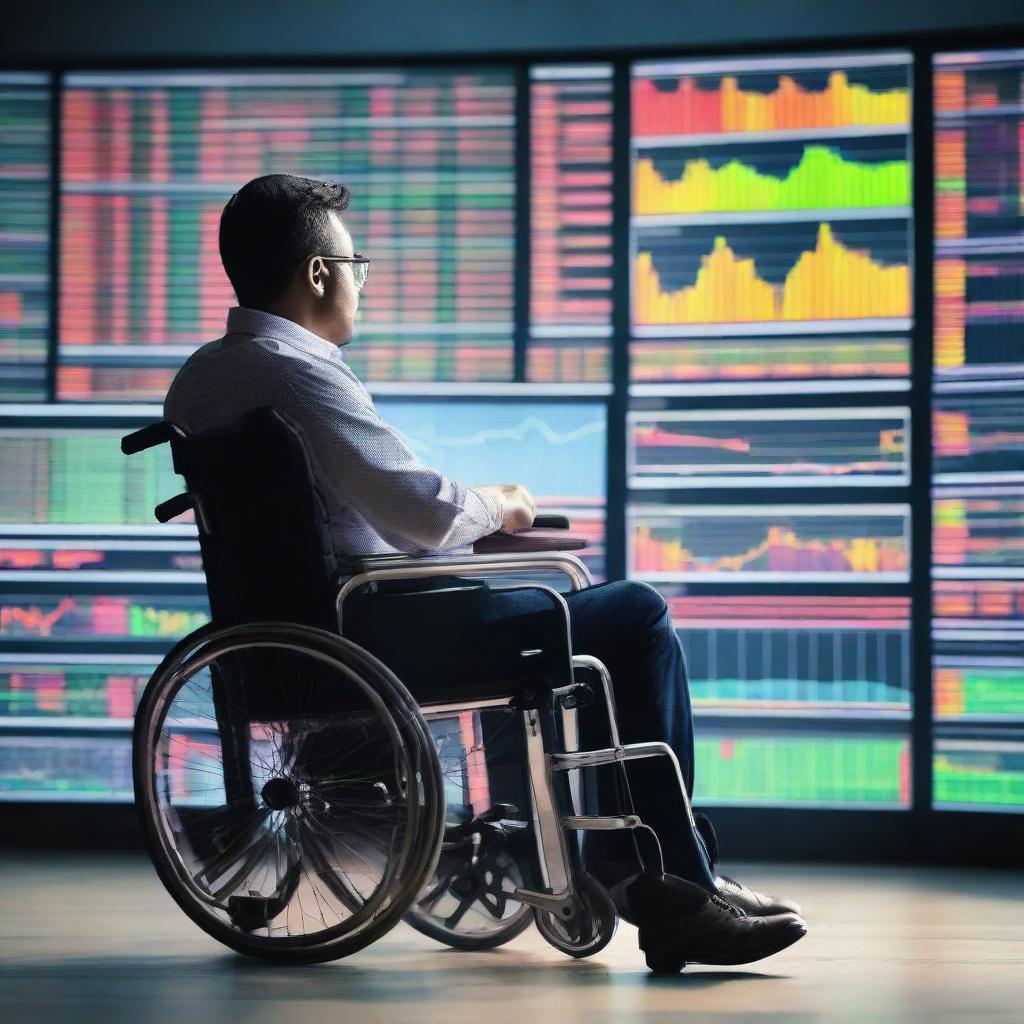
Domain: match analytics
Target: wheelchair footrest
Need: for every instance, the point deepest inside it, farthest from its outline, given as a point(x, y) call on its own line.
point(602, 823)
point(567, 762)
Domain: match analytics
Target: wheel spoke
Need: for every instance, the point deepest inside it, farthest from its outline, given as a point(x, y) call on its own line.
point(457, 916)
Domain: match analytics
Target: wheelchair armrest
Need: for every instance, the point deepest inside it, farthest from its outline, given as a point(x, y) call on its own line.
point(530, 539)
point(355, 573)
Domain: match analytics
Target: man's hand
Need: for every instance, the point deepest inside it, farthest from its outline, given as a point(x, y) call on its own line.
point(517, 504)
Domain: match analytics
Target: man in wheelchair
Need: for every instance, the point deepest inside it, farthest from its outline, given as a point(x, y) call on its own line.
point(297, 279)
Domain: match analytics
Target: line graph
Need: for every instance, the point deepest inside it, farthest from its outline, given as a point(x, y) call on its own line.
point(771, 274)
point(775, 447)
point(771, 543)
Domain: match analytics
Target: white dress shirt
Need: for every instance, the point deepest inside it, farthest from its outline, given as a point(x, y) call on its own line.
point(381, 498)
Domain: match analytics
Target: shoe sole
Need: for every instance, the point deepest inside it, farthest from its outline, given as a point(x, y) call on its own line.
point(664, 956)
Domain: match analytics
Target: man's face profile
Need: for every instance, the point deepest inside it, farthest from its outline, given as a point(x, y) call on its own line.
point(340, 298)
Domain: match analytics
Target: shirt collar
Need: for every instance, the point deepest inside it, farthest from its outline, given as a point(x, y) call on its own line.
point(243, 320)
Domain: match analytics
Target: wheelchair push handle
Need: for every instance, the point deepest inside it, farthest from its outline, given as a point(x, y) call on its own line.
point(176, 506)
point(149, 437)
point(551, 522)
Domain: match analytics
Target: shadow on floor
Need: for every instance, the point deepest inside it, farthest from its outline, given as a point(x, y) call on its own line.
point(452, 978)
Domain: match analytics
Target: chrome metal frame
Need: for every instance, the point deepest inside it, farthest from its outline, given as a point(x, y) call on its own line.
point(550, 824)
point(555, 865)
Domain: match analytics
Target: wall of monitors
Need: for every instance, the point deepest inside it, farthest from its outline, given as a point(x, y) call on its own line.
point(738, 232)
point(977, 435)
point(771, 322)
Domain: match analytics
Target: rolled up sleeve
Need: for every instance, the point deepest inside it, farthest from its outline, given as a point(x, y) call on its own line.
point(367, 464)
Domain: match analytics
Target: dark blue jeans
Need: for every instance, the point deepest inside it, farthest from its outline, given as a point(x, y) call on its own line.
point(626, 624)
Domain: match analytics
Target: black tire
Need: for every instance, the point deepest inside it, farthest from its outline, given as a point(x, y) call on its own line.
point(595, 924)
point(290, 830)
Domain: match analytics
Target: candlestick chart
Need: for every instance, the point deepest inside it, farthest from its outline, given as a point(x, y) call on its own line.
point(805, 656)
point(793, 769)
point(25, 183)
point(769, 543)
point(149, 162)
point(978, 431)
point(570, 223)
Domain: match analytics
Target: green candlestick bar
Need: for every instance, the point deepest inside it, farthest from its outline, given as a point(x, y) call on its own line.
point(710, 692)
point(803, 770)
point(978, 691)
point(980, 776)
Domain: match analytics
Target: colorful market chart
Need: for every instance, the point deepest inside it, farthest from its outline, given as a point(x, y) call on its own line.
point(570, 223)
point(770, 447)
point(729, 365)
point(769, 543)
point(802, 769)
point(45, 769)
point(789, 656)
point(978, 532)
point(978, 688)
point(555, 448)
point(428, 155)
point(25, 222)
point(772, 278)
point(78, 476)
point(771, 211)
point(978, 438)
point(92, 618)
point(770, 177)
point(766, 94)
point(66, 688)
point(978, 431)
point(979, 774)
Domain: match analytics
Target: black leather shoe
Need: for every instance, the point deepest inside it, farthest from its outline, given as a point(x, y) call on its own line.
point(682, 923)
point(754, 903)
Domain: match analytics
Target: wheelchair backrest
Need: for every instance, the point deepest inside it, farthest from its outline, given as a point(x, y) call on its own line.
point(263, 525)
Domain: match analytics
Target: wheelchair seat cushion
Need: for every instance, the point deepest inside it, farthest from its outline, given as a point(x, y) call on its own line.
point(455, 639)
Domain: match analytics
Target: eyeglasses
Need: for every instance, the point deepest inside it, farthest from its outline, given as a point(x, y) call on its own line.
point(360, 266)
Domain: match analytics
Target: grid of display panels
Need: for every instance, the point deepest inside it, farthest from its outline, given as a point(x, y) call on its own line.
point(25, 177)
point(93, 590)
point(768, 425)
point(768, 435)
point(978, 432)
point(149, 159)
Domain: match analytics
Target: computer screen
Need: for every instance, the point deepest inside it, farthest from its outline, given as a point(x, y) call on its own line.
point(978, 432)
point(771, 233)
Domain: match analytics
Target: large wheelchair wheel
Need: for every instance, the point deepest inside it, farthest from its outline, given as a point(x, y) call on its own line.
point(289, 789)
point(468, 903)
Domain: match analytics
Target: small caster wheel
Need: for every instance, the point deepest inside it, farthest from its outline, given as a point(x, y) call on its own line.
point(664, 963)
point(591, 929)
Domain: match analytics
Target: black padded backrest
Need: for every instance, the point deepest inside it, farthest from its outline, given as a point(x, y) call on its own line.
point(266, 545)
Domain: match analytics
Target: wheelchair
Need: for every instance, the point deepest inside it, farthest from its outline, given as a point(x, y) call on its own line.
point(311, 766)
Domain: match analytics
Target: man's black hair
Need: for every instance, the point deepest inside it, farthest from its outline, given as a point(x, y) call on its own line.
point(269, 226)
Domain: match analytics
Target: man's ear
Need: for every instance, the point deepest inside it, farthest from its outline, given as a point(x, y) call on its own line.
point(316, 272)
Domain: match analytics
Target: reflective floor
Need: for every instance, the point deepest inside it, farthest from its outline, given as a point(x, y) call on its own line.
point(97, 939)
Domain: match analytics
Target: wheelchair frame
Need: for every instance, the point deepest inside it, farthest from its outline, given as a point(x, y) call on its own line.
point(549, 825)
point(557, 863)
